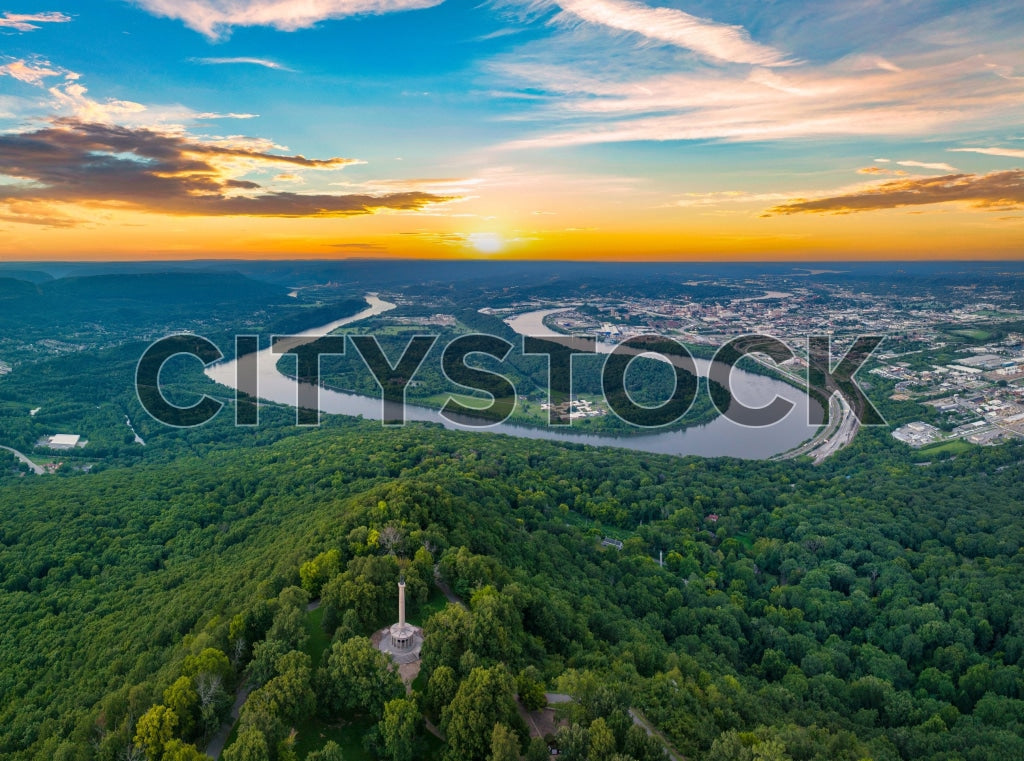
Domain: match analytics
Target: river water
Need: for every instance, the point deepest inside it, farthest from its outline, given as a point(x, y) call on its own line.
point(720, 437)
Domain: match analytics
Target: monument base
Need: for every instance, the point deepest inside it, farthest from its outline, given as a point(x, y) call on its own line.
point(401, 643)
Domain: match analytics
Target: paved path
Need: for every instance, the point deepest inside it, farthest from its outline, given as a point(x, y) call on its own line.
point(433, 729)
point(449, 595)
point(219, 740)
point(641, 721)
point(37, 469)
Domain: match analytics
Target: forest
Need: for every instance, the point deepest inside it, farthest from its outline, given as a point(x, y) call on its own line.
point(871, 607)
point(866, 608)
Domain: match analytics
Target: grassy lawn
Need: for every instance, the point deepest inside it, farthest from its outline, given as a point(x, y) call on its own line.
point(957, 446)
point(434, 603)
point(318, 639)
point(439, 400)
point(976, 334)
point(419, 684)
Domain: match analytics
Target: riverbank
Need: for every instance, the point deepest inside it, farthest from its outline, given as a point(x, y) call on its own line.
point(719, 438)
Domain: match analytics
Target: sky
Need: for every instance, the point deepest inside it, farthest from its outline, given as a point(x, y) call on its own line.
point(563, 129)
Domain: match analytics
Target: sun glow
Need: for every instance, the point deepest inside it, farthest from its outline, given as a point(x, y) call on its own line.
point(487, 243)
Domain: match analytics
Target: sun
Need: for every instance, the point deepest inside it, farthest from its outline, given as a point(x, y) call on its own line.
point(487, 243)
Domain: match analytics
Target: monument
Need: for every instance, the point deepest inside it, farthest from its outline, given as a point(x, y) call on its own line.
point(402, 641)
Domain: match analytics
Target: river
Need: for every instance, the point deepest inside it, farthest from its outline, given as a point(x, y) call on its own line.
point(720, 437)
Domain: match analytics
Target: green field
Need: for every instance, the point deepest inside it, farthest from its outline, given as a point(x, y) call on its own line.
point(319, 641)
point(976, 334)
point(957, 446)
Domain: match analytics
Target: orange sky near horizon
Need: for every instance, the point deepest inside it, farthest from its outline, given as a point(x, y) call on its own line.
point(946, 233)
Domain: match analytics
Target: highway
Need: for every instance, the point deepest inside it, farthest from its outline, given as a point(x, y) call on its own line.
point(840, 431)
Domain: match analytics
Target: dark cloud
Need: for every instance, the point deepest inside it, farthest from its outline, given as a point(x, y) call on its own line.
point(75, 162)
point(996, 190)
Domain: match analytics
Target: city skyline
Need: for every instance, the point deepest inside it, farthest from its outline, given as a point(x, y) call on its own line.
point(577, 129)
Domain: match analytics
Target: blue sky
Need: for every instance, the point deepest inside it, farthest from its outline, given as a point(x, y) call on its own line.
point(560, 127)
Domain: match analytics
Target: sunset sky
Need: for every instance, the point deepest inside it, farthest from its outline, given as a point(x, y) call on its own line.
point(687, 129)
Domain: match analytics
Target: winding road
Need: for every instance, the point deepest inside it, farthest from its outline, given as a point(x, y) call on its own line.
point(37, 469)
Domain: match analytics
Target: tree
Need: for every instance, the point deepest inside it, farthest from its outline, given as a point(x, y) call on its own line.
point(289, 625)
point(291, 688)
point(154, 730)
point(209, 661)
point(749, 746)
point(359, 678)
point(282, 701)
point(250, 745)
point(441, 688)
point(602, 741)
point(537, 750)
point(504, 744)
point(531, 689)
point(176, 750)
point(367, 586)
point(183, 699)
point(390, 538)
point(495, 626)
point(593, 696)
point(483, 699)
point(265, 655)
point(572, 742)
point(330, 752)
point(318, 571)
point(399, 728)
point(212, 700)
point(446, 637)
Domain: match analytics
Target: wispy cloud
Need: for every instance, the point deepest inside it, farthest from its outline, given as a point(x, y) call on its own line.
point(72, 162)
point(938, 166)
point(28, 22)
point(1000, 191)
point(266, 63)
point(216, 18)
point(1010, 153)
point(499, 33)
point(880, 170)
point(441, 185)
point(29, 73)
point(675, 27)
point(71, 99)
point(762, 105)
